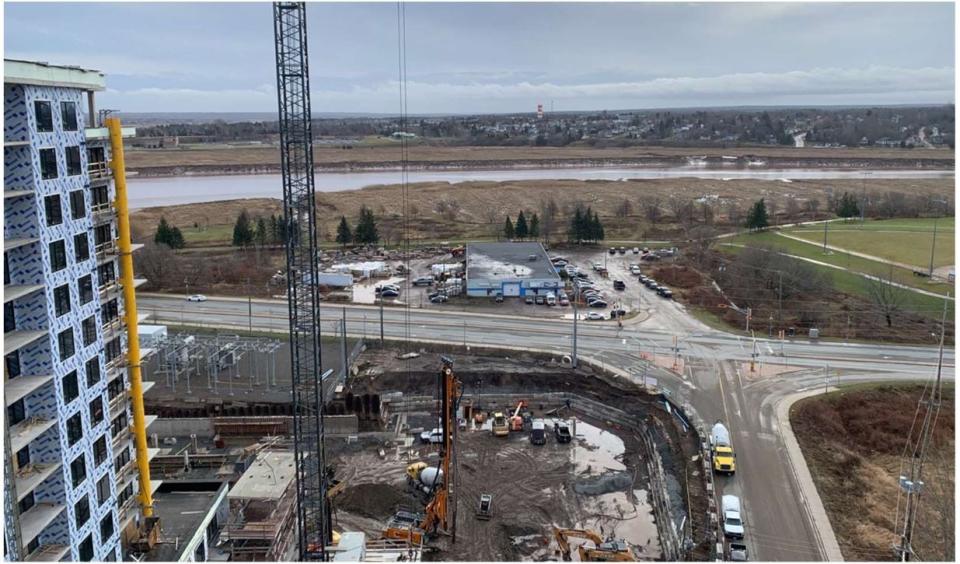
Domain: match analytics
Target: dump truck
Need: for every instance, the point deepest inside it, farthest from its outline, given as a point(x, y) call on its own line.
point(424, 477)
point(721, 450)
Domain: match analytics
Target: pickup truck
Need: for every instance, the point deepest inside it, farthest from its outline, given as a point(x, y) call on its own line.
point(562, 432)
point(732, 521)
point(737, 552)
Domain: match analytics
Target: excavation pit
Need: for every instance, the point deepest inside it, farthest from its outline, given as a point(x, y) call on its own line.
point(602, 480)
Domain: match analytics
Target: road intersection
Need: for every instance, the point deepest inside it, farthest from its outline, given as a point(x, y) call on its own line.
point(715, 380)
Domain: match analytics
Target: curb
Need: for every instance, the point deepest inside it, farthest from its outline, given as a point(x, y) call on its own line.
point(826, 538)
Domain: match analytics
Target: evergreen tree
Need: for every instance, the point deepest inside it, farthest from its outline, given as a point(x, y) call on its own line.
point(175, 240)
point(162, 236)
point(366, 232)
point(521, 229)
point(343, 232)
point(276, 235)
point(261, 236)
point(535, 226)
point(242, 232)
point(848, 206)
point(598, 234)
point(587, 228)
point(757, 218)
point(575, 233)
point(508, 231)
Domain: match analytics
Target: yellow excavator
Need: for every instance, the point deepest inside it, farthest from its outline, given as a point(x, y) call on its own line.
point(612, 550)
point(437, 510)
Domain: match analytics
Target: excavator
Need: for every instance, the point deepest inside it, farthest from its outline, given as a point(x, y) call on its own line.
point(612, 550)
point(437, 514)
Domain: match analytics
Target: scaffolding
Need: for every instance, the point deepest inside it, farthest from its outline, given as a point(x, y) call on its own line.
point(223, 363)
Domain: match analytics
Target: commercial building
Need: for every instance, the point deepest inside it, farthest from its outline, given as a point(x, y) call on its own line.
point(71, 487)
point(510, 269)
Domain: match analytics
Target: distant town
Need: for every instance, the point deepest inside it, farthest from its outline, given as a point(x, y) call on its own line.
point(892, 126)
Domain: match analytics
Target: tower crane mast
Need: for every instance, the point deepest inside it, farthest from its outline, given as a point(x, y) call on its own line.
point(300, 226)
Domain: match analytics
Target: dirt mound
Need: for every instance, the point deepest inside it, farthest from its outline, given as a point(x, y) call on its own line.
point(377, 501)
point(678, 276)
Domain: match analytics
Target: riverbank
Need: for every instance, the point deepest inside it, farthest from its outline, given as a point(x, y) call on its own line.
point(155, 163)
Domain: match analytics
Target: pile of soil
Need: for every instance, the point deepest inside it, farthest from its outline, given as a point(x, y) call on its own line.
point(852, 441)
point(376, 501)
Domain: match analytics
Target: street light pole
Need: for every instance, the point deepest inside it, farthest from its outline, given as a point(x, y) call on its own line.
point(576, 298)
point(933, 246)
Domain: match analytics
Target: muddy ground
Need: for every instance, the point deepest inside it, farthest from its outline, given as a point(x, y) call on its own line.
point(852, 441)
point(597, 482)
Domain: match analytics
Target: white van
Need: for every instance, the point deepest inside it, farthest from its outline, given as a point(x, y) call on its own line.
point(732, 521)
point(551, 299)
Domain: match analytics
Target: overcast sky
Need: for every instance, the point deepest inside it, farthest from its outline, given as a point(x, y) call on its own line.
point(502, 57)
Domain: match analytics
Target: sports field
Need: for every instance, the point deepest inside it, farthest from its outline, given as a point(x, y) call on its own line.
point(907, 241)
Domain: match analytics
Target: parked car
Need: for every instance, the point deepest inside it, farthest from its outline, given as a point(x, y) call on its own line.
point(438, 298)
point(665, 292)
point(617, 312)
point(619, 285)
point(635, 270)
point(613, 250)
point(649, 282)
point(540, 300)
point(597, 303)
point(738, 552)
point(650, 257)
point(434, 436)
point(623, 250)
point(636, 250)
point(732, 520)
point(551, 299)
point(538, 435)
point(654, 286)
point(499, 298)
point(594, 316)
point(528, 300)
point(423, 281)
point(197, 298)
point(388, 287)
point(561, 429)
point(643, 278)
point(389, 293)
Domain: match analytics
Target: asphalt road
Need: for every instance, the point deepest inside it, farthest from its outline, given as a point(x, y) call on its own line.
point(715, 380)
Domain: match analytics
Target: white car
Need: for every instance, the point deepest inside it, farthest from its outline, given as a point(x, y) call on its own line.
point(594, 316)
point(197, 298)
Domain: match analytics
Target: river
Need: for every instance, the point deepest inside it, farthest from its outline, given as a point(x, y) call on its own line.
point(169, 191)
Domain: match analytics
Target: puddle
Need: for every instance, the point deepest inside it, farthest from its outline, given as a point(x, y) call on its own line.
point(595, 451)
point(365, 292)
point(617, 515)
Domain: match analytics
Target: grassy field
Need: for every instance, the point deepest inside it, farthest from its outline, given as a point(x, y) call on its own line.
point(856, 264)
point(383, 150)
point(906, 241)
point(852, 283)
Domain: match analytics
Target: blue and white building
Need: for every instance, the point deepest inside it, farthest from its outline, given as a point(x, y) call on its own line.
point(71, 480)
point(510, 269)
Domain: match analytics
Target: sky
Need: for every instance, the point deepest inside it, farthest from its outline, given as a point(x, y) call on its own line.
point(467, 58)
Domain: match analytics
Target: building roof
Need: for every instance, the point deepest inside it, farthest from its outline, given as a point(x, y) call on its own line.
point(183, 512)
point(509, 261)
point(267, 478)
point(38, 73)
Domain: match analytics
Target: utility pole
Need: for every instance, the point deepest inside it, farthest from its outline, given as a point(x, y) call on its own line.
point(576, 298)
point(933, 246)
point(914, 455)
point(753, 355)
point(826, 377)
point(780, 298)
point(826, 224)
point(381, 320)
point(249, 308)
point(343, 345)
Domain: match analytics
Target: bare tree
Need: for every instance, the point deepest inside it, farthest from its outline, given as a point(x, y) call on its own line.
point(734, 215)
point(813, 206)
point(793, 207)
point(157, 263)
point(448, 209)
point(706, 211)
point(886, 295)
point(651, 208)
point(702, 239)
point(549, 212)
point(624, 209)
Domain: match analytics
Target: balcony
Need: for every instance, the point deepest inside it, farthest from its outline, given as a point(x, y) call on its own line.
point(22, 386)
point(31, 476)
point(111, 327)
point(99, 172)
point(37, 518)
point(48, 553)
point(106, 251)
point(24, 432)
point(103, 134)
point(9, 194)
point(15, 291)
point(15, 340)
point(102, 212)
point(10, 244)
point(108, 287)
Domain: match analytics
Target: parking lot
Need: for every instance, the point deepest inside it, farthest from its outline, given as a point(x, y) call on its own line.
point(634, 299)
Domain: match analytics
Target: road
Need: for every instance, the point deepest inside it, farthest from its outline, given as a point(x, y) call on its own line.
point(715, 380)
